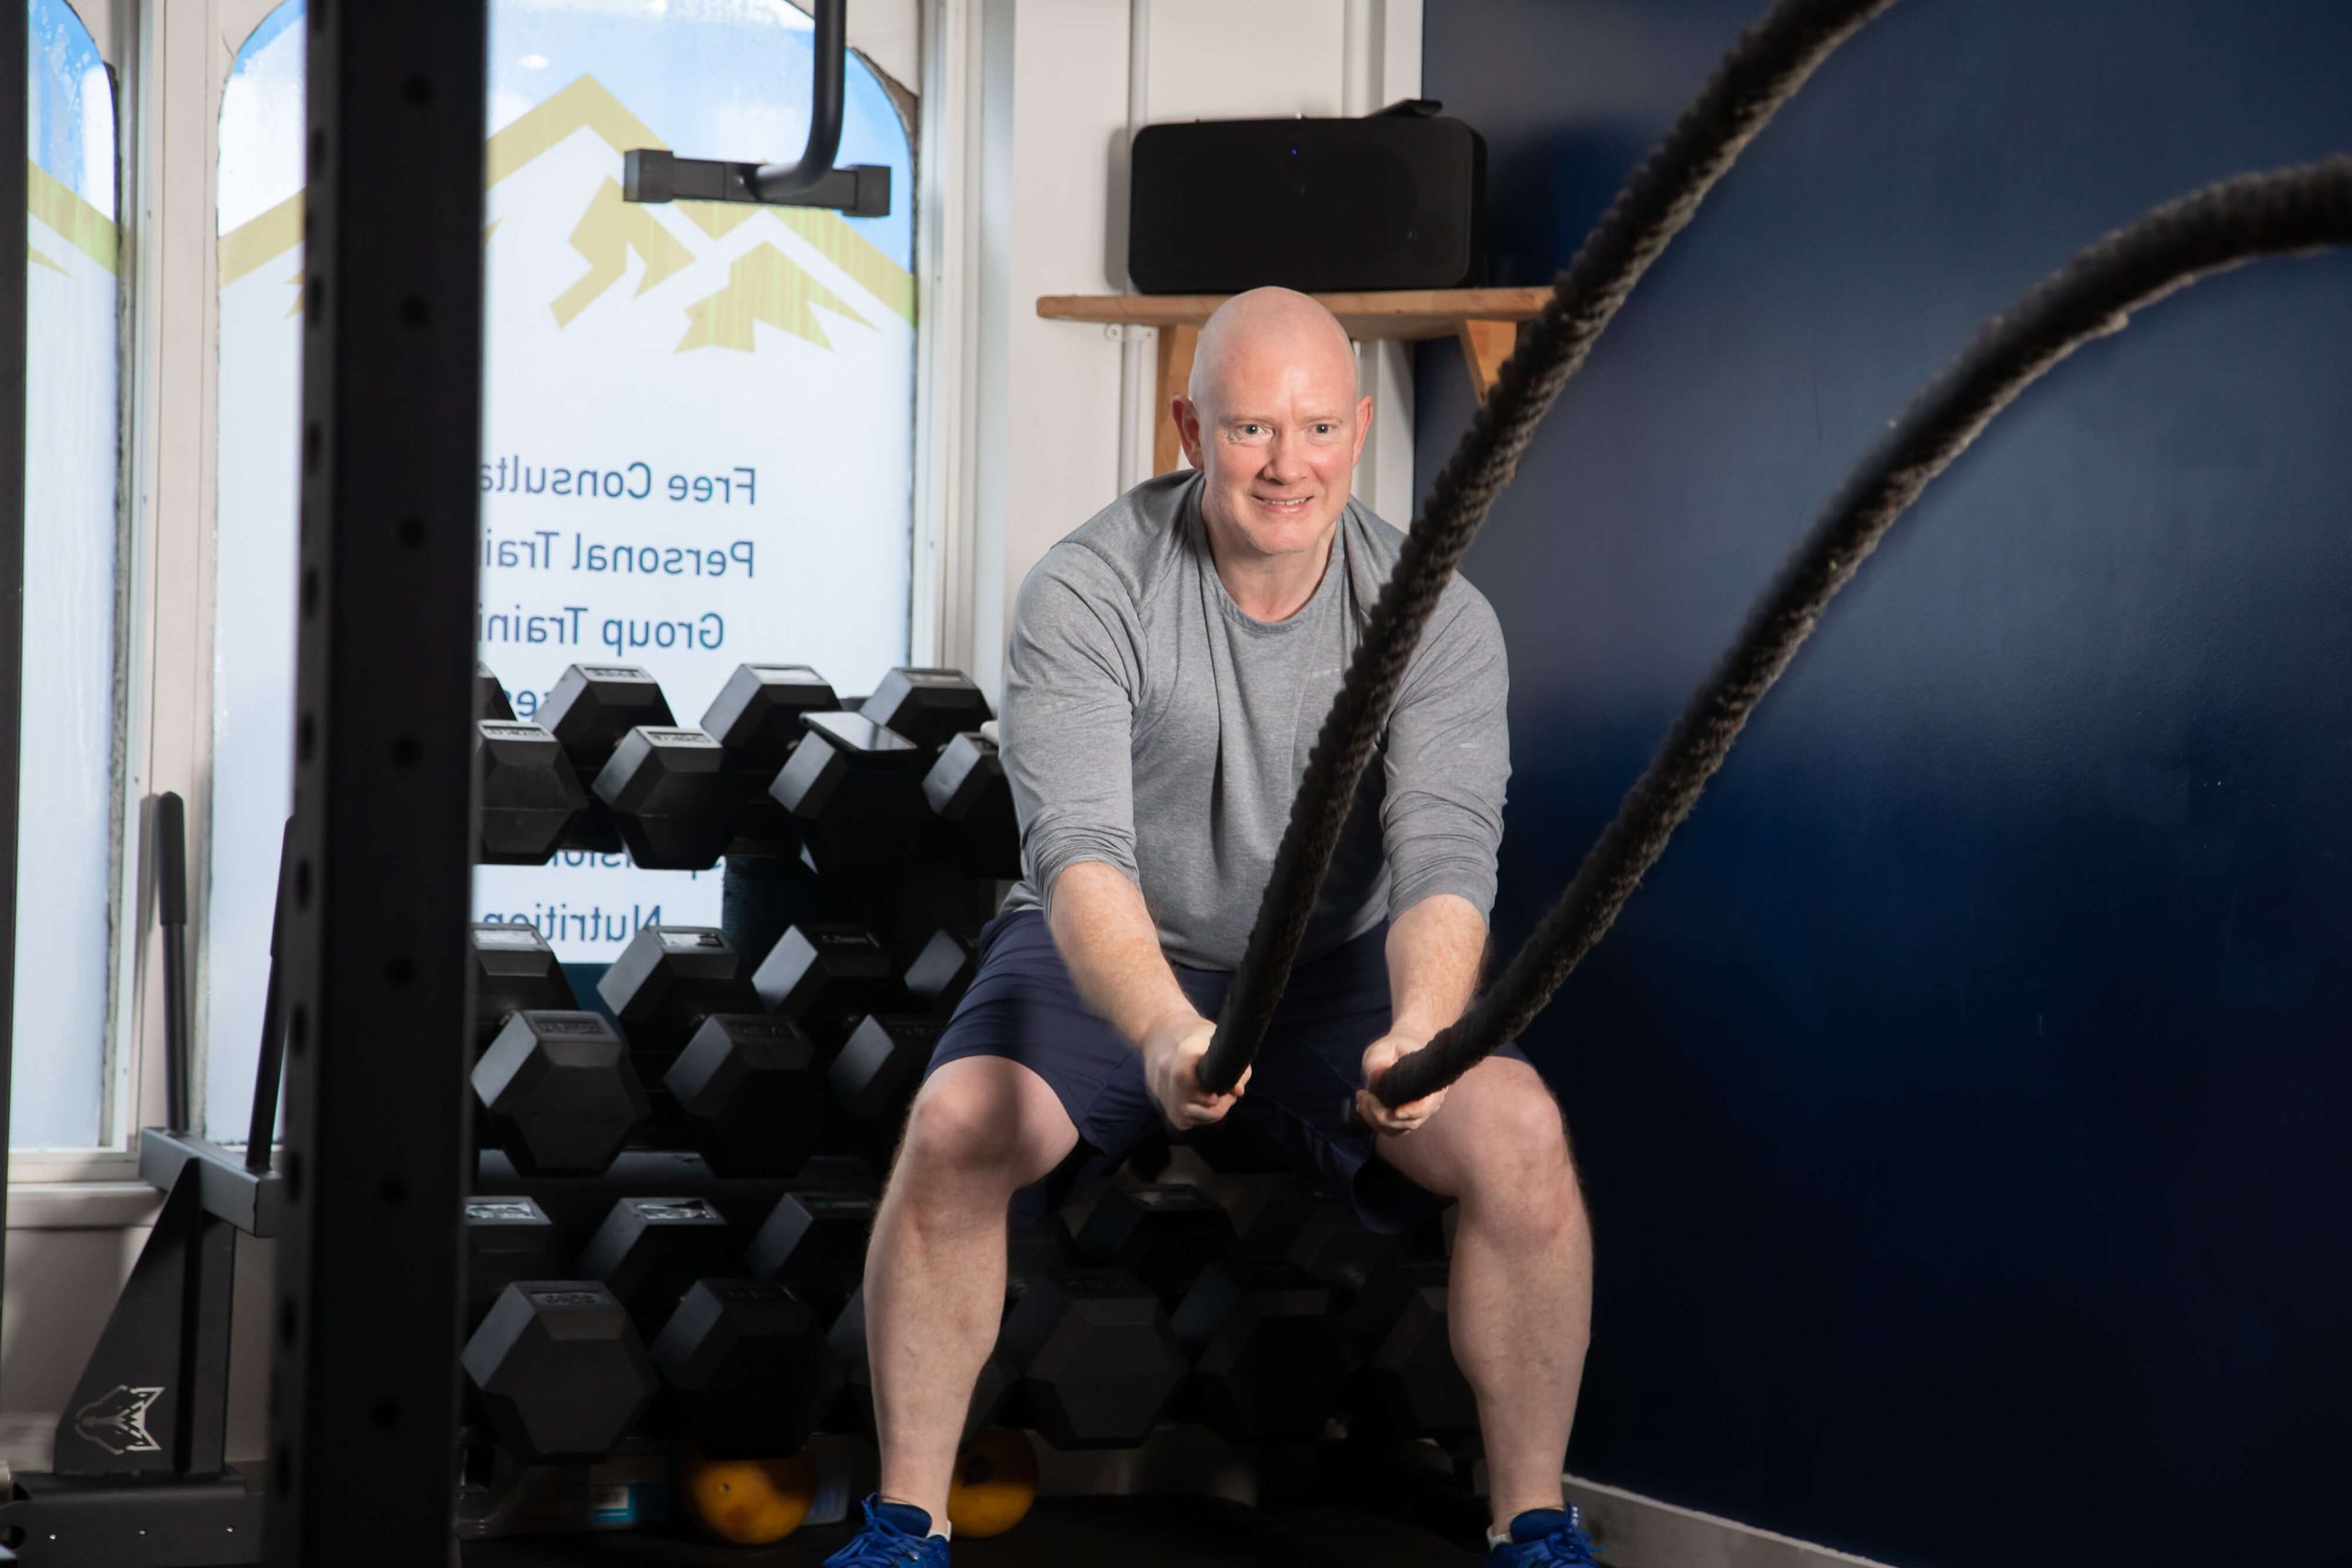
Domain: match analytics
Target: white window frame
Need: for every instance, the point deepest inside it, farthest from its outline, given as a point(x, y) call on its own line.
point(947, 354)
point(172, 57)
point(129, 1095)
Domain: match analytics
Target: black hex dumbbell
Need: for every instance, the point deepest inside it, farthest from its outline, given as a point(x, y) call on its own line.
point(508, 1240)
point(591, 708)
point(874, 1075)
point(757, 719)
point(557, 1371)
point(669, 797)
point(824, 977)
point(1269, 1364)
point(1093, 1360)
point(752, 1093)
point(971, 805)
point(941, 972)
point(855, 789)
point(651, 1250)
point(514, 970)
point(557, 1092)
point(814, 1241)
point(745, 1368)
point(529, 798)
point(667, 983)
point(1084, 1354)
point(929, 707)
point(743, 1359)
point(1293, 1221)
point(490, 695)
point(1408, 1386)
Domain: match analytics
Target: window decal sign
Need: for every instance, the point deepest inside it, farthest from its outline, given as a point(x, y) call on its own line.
point(697, 444)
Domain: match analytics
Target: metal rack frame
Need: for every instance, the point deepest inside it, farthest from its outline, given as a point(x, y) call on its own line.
point(364, 1328)
point(15, 238)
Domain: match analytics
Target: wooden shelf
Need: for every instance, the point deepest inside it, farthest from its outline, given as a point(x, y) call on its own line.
point(1486, 321)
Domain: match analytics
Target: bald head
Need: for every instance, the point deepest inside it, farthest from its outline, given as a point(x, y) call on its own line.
point(1268, 330)
point(1274, 421)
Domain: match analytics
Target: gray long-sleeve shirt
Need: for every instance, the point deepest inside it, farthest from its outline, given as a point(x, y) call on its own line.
point(1150, 724)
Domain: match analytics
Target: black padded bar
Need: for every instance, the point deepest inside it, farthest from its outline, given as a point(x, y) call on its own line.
point(269, 1063)
point(170, 918)
point(364, 1329)
point(862, 190)
point(252, 1200)
point(15, 238)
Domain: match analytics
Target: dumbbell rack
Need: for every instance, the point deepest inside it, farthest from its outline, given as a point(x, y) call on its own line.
point(912, 839)
point(1256, 1316)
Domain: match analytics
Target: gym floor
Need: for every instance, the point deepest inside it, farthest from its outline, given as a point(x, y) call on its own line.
point(1137, 1532)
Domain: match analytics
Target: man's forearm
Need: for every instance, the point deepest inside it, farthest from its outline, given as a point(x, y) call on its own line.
point(1112, 945)
point(1434, 952)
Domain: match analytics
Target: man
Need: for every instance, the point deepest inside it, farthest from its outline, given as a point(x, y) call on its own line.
point(1171, 664)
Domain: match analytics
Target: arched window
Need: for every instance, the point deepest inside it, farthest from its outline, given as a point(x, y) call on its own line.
point(698, 424)
point(66, 866)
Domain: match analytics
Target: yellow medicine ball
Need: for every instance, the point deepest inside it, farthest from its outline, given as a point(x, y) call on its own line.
point(996, 1480)
point(749, 1502)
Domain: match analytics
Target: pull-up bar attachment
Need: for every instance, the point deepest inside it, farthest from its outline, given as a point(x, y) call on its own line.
point(862, 190)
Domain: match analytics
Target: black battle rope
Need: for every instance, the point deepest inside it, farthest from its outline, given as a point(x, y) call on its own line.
point(2303, 208)
point(1762, 71)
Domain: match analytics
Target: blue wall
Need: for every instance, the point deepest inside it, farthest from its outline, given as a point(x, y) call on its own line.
point(1965, 1102)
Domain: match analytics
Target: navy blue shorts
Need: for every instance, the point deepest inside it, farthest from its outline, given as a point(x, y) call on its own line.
point(1023, 1006)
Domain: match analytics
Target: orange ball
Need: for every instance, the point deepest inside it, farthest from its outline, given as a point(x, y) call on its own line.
point(748, 1501)
point(995, 1481)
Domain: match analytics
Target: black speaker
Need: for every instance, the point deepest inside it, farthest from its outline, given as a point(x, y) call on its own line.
point(1394, 200)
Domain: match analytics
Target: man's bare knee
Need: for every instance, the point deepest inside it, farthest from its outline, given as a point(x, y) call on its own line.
point(987, 1123)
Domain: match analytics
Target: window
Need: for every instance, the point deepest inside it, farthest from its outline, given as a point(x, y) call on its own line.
point(66, 868)
point(698, 425)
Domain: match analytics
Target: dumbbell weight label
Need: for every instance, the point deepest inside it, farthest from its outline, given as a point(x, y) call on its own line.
point(697, 939)
point(748, 1293)
point(525, 938)
point(521, 1212)
point(747, 1029)
point(845, 939)
point(567, 1299)
point(687, 1209)
point(590, 1027)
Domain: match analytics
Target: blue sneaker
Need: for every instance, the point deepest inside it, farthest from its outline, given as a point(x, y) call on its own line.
point(1545, 1537)
point(897, 1535)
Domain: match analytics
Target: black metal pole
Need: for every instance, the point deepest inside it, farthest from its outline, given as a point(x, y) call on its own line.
point(269, 1064)
point(825, 108)
point(171, 918)
point(364, 1329)
point(16, 237)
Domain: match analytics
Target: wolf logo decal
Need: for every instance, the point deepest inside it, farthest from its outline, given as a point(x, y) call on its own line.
point(117, 1420)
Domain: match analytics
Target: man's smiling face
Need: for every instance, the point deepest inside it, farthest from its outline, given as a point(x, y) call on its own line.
point(1274, 423)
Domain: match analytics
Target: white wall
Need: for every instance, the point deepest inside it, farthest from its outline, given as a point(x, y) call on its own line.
point(1057, 398)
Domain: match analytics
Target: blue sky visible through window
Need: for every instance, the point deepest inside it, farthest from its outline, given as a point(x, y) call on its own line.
point(72, 118)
